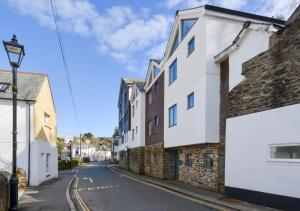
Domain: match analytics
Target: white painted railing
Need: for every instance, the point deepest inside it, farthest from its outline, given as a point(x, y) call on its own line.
point(5, 165)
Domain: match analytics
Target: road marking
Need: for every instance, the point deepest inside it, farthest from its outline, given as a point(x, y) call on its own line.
point(88, 178)
point(71, 204)
point(199, 201)
point(81, 202)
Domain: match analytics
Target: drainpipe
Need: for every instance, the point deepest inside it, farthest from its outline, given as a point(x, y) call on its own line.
point(29, 144)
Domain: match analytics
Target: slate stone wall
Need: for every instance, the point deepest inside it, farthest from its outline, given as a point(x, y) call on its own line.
point(124, 159)
point(4, 191)
point(272, 78)
point(137, 160)
point(154, 161)
point(197, 174)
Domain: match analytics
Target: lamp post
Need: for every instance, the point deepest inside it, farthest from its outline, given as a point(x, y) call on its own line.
point(15, 53)
point(70, 145)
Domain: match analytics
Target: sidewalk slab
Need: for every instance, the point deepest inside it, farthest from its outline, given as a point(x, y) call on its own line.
point(196, 192)
point(50, 195)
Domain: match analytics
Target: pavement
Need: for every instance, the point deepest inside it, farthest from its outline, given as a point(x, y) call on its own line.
point(101, 188)
point(195, 192)
point(50, 195)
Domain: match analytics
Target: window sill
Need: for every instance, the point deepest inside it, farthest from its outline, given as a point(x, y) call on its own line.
point(47, 126)
point(284, 160)
point(190, 108)
point(172, 125)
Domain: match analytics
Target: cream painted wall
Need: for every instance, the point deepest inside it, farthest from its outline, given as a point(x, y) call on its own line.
point(248, 165)
point(45, 105)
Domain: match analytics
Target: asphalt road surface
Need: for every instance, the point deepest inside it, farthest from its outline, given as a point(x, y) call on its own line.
point(104, 189)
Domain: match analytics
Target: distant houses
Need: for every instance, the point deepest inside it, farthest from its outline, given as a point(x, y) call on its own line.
point(220, 108)
point(36, 122)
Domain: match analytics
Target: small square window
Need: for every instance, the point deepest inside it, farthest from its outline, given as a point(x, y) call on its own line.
point(46, 119)
point(191, 46)
point(208, 161)
point(190, 100)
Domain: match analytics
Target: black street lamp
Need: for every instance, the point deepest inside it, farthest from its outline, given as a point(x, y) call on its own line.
point(70, 145)
point(15, 53)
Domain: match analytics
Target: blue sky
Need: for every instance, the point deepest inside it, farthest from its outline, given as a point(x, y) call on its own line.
point(104, 40)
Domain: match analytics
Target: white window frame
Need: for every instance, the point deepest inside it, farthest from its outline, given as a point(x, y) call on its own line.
point(282, 160)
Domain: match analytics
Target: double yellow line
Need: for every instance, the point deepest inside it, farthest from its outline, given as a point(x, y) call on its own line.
point(79, 199)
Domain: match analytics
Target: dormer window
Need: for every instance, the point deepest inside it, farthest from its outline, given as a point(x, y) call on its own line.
point(175, 43)
point(186, 26)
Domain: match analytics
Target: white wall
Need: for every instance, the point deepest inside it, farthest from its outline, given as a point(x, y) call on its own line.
point(39, 174)
point(247, 151)
point(39, 149)
point(137, 121)
point(22, 129)
point(197, 73)
point(254, 43)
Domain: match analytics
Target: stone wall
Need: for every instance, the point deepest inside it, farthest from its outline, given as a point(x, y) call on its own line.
point(272, 78)
point(124, 159)
point(197, 174)
point(4, 191)
point(137, 160)
point(154, 161)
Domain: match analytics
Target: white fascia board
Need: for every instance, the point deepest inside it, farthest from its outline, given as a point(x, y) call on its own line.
point(269, 28)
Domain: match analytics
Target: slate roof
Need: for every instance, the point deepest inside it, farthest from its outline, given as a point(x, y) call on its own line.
point(132, 80)
point(140, 86)
point(29, 85)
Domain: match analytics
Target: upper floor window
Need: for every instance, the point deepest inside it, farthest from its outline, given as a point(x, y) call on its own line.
point(285, 152)
point(156, 121)
point(173, 115)
point(173, 72)
point(156, 86)
point(191, 46)
point(175, 43)
point(132, 134)
point(149, 97)
point(149, 127)
point(136, 129)
point(190, 100)
point(136, 104)
point(186, 26)
point(46, 119)
point(133, 111)
point(156, 71)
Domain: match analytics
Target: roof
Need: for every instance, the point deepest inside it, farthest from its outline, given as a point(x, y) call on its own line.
point(140, 85)
point(29, 85)
point(132, 80)
point(238, 13)
point(248, 25)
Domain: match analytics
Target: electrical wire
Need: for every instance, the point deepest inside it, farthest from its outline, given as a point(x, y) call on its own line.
point(63, 54)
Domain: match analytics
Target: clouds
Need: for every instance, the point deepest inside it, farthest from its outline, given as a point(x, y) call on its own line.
point(119, 31)
point(131, 36)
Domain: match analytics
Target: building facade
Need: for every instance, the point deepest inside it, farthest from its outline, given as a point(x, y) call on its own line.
point(192, 93)
point(263, 120)
point(136, 143)
point(154, 121)
point(36, 123)
point(125, 119)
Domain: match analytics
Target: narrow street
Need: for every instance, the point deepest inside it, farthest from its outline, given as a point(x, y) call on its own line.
point(103, 189)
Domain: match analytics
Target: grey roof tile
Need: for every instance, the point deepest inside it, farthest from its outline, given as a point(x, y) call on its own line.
point(29, 85)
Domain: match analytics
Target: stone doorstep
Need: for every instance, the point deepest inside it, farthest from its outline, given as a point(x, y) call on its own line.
point(221, 201)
